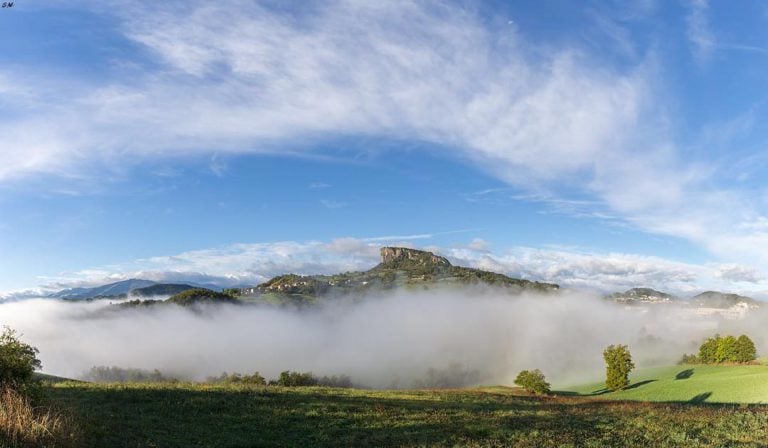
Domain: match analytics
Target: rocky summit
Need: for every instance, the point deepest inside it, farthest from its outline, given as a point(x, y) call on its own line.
point(400, 267)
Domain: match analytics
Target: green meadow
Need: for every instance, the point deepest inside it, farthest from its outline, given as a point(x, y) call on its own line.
point(196, 415)
point(690, 383)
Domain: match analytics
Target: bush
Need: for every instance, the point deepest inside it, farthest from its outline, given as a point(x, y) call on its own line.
point(532, 381)
point(618, 364)
point(296, 379)
point(18, 360)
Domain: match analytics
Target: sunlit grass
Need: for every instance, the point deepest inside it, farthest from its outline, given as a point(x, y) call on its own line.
point(186, 415)
point(696, 383)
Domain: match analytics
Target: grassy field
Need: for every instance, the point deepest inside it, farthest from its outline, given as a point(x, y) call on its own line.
point(692, 383)
point(191, 415)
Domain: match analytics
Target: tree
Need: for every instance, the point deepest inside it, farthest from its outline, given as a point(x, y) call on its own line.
point(744, 349)
point(708, 350)
point(719, 349)
point(532, 381)
point(726, 349)
point(18, 360)
point(618, 364)
point(296, 379)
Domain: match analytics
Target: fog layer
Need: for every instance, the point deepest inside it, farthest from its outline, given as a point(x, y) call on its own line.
point(380, 342)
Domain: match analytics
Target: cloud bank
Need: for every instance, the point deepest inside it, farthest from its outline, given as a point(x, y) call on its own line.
point(387, 341)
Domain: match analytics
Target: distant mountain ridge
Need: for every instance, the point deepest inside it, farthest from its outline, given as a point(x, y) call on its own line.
point(399, 267)
point(716, 299)
point(109, 290)
point(642, 295)
point(123, 289)
point(707, 299)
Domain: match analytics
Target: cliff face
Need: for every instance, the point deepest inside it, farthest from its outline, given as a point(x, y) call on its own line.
point(401, 257)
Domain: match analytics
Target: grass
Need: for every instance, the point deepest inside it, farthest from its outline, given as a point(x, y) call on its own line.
point(193, 415)
point(691, 383)
point(25, 425)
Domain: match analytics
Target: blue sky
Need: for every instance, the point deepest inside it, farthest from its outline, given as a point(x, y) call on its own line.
point(593, 144)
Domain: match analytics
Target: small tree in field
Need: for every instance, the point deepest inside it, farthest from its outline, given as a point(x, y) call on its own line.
point(618, 364)
point(745, 349)
point(18, 360)
point(532, 381)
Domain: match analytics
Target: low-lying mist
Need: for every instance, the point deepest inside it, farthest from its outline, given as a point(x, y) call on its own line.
point(387, 341)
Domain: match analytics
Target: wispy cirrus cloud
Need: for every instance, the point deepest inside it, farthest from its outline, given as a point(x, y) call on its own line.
point(246, 77)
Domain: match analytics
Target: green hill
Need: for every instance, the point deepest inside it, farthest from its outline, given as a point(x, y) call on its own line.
point(690, 383)
point(399, 268)
point(161, 289)
point(187, 298)
point(201, 296)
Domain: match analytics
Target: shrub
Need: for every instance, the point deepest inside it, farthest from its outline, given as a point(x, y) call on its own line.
point(18, 360)
point(618, 363)
point(532, 381)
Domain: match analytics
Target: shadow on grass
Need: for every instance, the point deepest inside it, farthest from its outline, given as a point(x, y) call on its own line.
point(684, 375)
point(701, 398)
point(595, 393)
point(638, 384)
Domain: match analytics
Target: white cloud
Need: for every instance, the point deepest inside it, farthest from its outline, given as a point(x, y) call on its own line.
point(600, 271)
point(738, 273)
point(479, 245)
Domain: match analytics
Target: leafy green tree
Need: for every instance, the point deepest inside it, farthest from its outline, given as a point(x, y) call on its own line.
point(532, 381)
point(726, 349)
point(745, 349)
point(708, 350)
point(720, 349)
point(618, 364)
point(18, 360)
